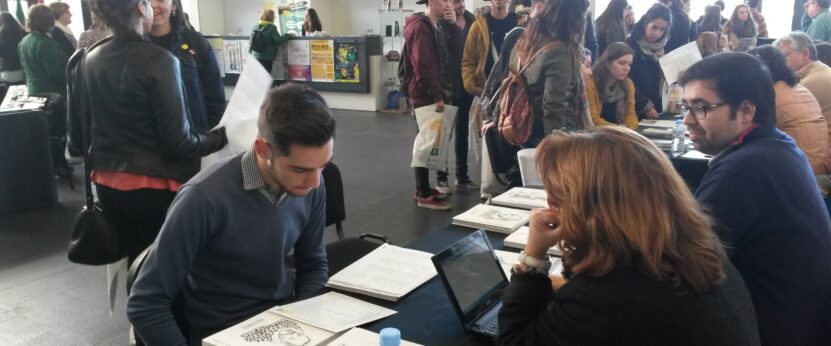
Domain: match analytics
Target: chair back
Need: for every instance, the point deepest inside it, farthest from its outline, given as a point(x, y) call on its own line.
point(335, 205)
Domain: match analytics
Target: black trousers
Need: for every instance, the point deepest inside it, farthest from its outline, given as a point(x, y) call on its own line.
point(463, 100)
point(137, 215)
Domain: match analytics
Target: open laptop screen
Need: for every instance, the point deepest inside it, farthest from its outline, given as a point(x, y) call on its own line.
point(472, 272)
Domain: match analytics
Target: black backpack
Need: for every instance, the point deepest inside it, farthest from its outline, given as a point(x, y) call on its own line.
point(258, 39)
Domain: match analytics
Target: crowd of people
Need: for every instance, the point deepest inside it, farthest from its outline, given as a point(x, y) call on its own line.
point(745, 259)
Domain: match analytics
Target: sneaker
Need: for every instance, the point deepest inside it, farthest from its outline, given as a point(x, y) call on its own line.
point(443, 187)
point(432, 202)
point(433, 192)
point(467, 184)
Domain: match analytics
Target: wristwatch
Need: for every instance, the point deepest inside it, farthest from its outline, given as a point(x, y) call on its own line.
point(539, 266)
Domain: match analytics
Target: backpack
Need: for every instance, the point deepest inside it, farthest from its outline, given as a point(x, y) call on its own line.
point(515, 112)
point(258, 40)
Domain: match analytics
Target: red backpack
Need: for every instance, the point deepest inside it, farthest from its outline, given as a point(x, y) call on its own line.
point(516, 117)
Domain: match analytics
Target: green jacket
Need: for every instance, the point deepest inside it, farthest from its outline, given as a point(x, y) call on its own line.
point(818, 28)
point(274, 40)
point(44, 64)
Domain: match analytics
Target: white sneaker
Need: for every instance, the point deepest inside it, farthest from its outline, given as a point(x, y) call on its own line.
point(443, 187)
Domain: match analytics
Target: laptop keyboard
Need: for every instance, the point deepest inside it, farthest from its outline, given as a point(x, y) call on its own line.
point(491, 328)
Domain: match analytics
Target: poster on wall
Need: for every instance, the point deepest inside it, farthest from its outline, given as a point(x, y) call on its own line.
point(216, 46)
point(346, 62)
point(292, 17)
point(232, 58)
point(323, 60)
point(299, 60)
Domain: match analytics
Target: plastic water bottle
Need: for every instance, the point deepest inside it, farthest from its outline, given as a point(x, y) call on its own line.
point(390, 337)
point(678, 145)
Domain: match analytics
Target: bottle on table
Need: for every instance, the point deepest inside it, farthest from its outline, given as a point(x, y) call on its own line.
point(679, 145)
point(390, 337)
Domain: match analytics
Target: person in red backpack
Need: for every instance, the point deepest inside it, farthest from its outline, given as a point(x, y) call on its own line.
point(430, 40)
point(554, 85)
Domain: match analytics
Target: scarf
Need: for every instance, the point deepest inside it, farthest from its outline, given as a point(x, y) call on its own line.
point(743, 29)
point(654, 50)
point(615, 92)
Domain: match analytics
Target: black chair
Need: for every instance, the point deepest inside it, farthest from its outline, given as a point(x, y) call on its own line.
point(178, 305)
point(335, 208)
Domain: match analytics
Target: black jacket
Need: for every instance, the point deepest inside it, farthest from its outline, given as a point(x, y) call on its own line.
point(682, 29)
point(625, 307)
point(62, 41)
point(132, 91)
point(647, 76)
point(9, 56)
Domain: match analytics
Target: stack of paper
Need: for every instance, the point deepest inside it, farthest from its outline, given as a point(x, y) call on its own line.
point(657, 123)
point(519, 239)
point(492, 218)
point(332, 311)
point(269, 329)
point(388, 272)
point(509, 259)
point(522, 197)
point(362, 337)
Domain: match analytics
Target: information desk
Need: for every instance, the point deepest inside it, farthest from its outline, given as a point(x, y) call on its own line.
point(27, 181)
point(425, 316)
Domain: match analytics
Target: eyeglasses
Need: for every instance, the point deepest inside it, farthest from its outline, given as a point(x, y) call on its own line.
point(699, 111)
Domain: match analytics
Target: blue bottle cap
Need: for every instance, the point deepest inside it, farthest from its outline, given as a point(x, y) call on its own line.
point(390, 337)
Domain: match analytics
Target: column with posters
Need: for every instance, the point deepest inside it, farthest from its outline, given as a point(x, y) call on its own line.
point(323, 60)
point(347, 69)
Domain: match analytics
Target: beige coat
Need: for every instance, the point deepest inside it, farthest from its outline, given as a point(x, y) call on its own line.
point(798, 114)
point(816, 77)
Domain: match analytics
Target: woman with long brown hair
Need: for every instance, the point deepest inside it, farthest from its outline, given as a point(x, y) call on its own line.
point(642, 264)
point(610, 92)
point(740, 26)
point(312, 23)
point(555, 89)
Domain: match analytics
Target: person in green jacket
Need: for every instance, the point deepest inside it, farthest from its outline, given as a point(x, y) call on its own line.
point(273, 39)
point(44, 65)
point(816, 22)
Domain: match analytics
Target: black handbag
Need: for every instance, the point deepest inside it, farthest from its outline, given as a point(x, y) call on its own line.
point(94, 240)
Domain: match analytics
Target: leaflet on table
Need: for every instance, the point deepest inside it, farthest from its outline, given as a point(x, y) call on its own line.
point(519, 238)
point(522, 197)
point(240, 118)
point(333, 311)
point(509, 259)
point(269, 329)
point(492, 218)
point(362, 337)
point(388, 272)
point(657, 123)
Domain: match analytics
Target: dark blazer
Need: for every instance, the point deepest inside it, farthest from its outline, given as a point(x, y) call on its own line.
point(625, 307)
point(646, 75)
point(141, 124)
point(761, 191)
point(682, 30)
point(63, 42)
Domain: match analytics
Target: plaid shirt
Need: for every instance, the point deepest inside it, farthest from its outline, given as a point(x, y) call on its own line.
point(761, 27)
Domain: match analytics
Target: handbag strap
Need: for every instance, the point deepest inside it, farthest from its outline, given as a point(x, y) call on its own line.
point(78, 94)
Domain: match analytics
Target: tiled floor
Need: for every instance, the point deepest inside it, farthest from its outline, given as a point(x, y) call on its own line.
point(47, 300)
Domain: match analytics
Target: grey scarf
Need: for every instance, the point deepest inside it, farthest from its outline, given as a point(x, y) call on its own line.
point(615, 92)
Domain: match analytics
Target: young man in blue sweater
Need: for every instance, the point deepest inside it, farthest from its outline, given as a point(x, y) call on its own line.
point(224, 248)
point(763, 196)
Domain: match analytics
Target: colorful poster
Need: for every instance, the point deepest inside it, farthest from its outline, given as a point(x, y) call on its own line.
point(292, 17)
point(346, 62)
point(323, 60)
point(299, 60)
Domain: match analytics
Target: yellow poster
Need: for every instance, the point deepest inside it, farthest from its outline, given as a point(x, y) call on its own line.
point(323, 60)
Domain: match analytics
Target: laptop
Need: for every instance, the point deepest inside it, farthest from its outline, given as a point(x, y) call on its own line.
point(474, 281)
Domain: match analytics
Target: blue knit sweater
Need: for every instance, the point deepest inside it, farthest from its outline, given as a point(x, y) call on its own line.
point(226, 249)
point(771, 216)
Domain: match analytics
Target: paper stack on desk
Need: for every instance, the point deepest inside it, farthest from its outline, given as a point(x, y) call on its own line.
point(492, 218)
point(388, 272)
point(332, 311)
point(522, 197)
point(519, 238)
point(269, 329)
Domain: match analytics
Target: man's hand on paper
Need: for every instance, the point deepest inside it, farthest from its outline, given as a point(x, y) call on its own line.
point(544, 231)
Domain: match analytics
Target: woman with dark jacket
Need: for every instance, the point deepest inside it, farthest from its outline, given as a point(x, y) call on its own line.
point(312, 23)
point(143, 144)
point(740, 27)
point(272, 39)
point(711, 20)
point(611, 27)
point(555, 87)
point(197, 64)
point(642, 264)
point(648, 41)
point(11, 33)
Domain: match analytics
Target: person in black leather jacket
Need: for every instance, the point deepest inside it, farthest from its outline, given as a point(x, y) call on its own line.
point(143, 146)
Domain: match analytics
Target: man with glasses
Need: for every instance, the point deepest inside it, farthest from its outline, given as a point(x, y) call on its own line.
point(760, 190)
point(816, 21)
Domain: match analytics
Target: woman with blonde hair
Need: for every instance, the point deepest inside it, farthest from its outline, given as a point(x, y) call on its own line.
point(740, 26)
point(271, 38)
point(610, 92)
point(642, 264)
point(708, 43)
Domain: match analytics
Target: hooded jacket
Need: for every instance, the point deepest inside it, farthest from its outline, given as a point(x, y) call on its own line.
point(423, 62)
point(274, 40)
point(477, 48)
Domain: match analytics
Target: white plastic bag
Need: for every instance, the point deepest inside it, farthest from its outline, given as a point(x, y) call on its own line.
point(432, 143)
point(490, 186)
